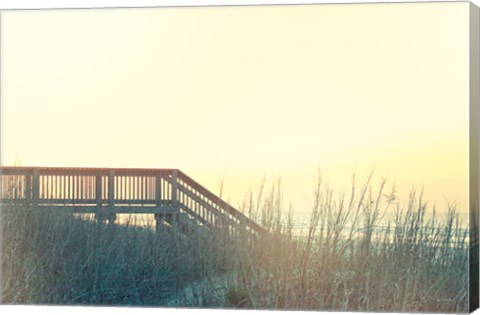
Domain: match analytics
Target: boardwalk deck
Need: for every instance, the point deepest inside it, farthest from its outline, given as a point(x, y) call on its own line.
point(166, 193)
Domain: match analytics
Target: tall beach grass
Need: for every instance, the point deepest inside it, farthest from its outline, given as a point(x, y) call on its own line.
point(416, 262)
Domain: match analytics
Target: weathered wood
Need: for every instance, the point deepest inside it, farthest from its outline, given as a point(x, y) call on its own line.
point(111, 187)
point(36, 185)
point(158, 189)
point(217, 200)
point(174, 187)
point(98, 189)
point(91, 190)
point(210, 208)
point(118, 209)
point(28, 187)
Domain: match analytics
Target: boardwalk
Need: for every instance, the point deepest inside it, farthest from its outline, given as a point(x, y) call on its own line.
point(168, 194)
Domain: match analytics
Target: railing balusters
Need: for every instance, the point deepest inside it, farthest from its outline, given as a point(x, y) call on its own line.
point(91, 191)
point(158, 189)
point(94, 187)
point(98, 189)
point(132, 187)
point(74, 187)
point(50, 187)
point(11, 186)
point(111, 187)
point(125, 187)
point(122, 187)
point(129, 187)
point(166, 191)
point(139, 187)
point(35, 186)
point(82, 187)
point(174, 187)
point(28, 187)
point(149, 185)
point(145, 187)
point(117, 188)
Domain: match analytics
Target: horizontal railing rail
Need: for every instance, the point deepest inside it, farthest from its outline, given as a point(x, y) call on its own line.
point(45, 185)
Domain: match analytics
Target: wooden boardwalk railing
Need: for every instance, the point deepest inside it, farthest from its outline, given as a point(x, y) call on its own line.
point(167, 193)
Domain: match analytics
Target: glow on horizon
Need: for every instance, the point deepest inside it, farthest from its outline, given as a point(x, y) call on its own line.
point(240, 92)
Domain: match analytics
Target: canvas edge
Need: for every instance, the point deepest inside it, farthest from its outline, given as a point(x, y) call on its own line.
point(474, 39)
point(474, 138)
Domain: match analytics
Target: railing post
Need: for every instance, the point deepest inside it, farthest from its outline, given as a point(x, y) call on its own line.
point(98, 189)
point(111, 187)
point(28, 187)
point(158, 190)
point(36, 186)
point(174, 187)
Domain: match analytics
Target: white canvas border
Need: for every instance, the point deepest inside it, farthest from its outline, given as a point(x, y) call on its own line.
point(70, 4)
point(87, 4)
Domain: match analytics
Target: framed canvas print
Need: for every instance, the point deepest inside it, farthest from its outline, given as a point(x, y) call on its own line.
point(255, 156)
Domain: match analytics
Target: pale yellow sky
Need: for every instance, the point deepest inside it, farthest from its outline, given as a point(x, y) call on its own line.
point(242, 92)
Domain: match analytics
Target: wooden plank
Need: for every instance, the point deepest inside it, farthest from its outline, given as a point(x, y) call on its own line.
point(98, 189)
point(174, 188)
point(77, 187)
point(196, 216)
point(137, 183)
point(28, 186)
point(66, 171)
point(212, 210)
point(158, 188)
point(217, 200)
point(111, 187)
point(138, 202)
point(130, 186)
point(70, 187)
point(123, 210)
point(36, 185)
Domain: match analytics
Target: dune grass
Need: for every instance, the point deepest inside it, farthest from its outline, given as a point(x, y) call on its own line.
point(417, 262)
point(50, 257)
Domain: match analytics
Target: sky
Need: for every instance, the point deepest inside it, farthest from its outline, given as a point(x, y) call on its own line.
point(235, 94)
